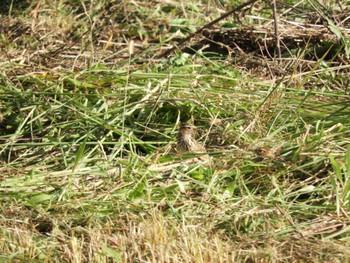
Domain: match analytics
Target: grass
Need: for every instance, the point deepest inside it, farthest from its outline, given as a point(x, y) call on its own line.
point(88, 124)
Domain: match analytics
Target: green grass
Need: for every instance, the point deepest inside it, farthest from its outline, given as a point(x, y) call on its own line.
point(89, 171)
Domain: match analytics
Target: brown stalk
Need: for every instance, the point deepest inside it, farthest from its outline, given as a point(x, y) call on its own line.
point(277, 38)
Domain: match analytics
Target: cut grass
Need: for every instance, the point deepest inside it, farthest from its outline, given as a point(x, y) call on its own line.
point(88, 167)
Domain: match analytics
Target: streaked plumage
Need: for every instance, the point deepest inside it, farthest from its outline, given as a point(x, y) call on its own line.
point(186, 141)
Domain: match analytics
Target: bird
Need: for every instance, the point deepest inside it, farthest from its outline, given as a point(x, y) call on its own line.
point(186, 143)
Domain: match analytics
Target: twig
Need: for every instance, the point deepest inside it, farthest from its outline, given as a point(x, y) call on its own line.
point(275, 24)
point(169, 51)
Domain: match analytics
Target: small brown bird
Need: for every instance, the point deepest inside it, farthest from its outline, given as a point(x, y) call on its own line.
point(186, 141)
point(267, 153)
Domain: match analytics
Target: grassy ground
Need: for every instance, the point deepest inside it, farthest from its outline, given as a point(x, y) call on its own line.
point(88, 124)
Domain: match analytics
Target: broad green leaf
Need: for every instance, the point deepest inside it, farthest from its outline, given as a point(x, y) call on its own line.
point(80, 153)
point(39, 199)
point(137, 191)
point(336, 169)
point(112, 253)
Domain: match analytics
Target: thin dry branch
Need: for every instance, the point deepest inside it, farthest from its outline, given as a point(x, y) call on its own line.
point(205, 27)
point(277, 38)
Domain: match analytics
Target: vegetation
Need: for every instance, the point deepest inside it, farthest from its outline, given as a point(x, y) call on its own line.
point(89, 115)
